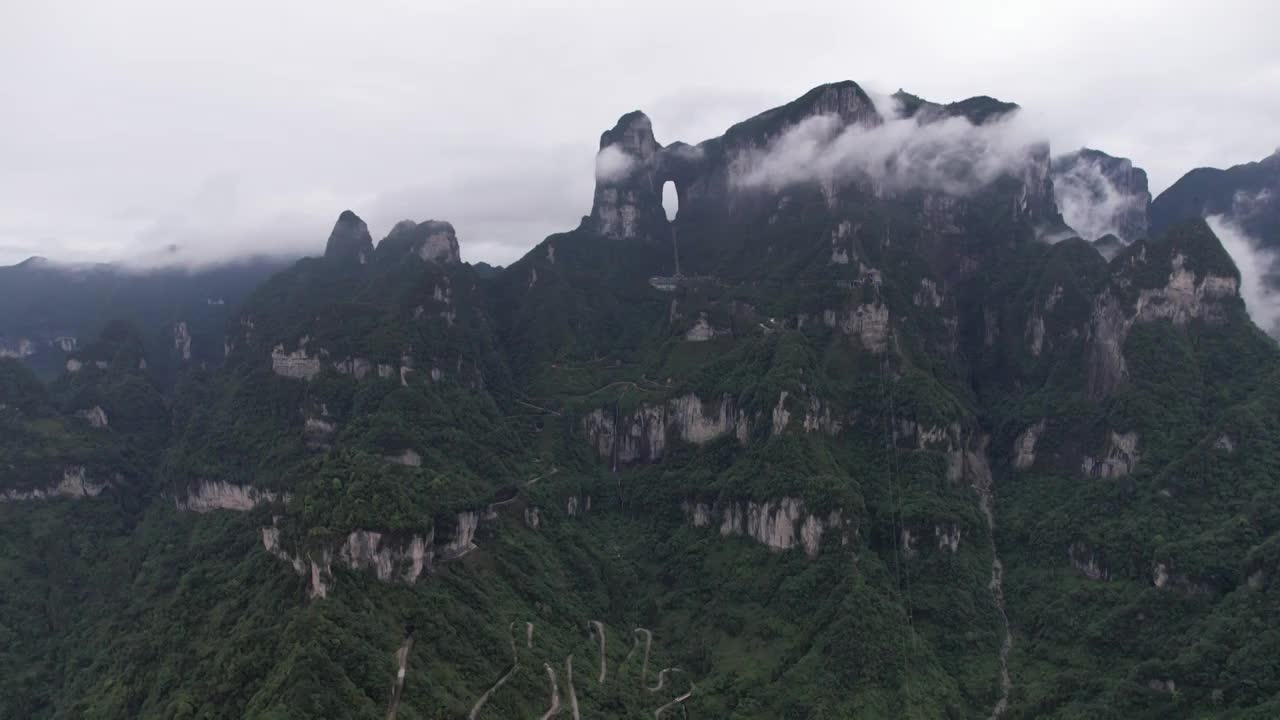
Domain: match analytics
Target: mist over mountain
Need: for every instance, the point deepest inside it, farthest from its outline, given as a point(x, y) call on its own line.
point(868, 406)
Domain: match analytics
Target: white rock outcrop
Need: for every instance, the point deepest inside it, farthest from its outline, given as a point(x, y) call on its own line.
point(1024, 447)
point(1086, 561)
point(1119, 457)
point(297, 364)
point(868, 322)
point(948, 537)
point(701, 331)
point(390, 558)
point(182, 340)
point(1181, 299)
point(95, 416)
point(464, 536)
point(781, 524)
point(206, 496)
point(75, 483)
point(21, 349)
point(408, 458)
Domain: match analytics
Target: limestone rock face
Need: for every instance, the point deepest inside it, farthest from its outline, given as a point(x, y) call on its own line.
point(1101, 195)
point(1087, 562)
point(1024, 447)
point(297, 364)
point(350, 240)
point(391, 558)
point(1118, 459)
point(643, 435)
point(182, 340)
point(20, 348)
point(75, 483)
point(207, 496)
point(781, 524)
point(95, 416)
point(433, 241)
point(1187, 278)
point(628, 195)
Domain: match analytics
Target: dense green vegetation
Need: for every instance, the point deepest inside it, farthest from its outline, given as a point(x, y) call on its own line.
point(874, 363)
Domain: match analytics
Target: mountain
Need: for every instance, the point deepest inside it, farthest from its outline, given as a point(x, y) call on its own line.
point(846, 438)
point(49, 309)
point(1103, 198)
point(1248, 195)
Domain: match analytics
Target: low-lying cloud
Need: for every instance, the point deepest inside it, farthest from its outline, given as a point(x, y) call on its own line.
point(1255, 264)
point(950, 155)
point(613, 164)
point(1091, 203)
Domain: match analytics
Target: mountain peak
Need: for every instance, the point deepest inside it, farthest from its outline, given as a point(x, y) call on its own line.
point(431, 240)
point(349, 239)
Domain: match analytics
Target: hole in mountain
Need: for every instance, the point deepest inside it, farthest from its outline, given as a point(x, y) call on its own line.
point(670, 200)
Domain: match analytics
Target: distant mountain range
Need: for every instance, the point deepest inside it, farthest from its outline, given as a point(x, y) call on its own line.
point(900, 416)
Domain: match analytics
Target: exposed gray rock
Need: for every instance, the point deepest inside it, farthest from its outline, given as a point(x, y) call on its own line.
point(948, 537)
point(350, 240)
point(781, 524)
point(75, 483)
point(1101, 195)
point(392, 559)
point(95, 416)
point(1184, 297)
point(1086, 562)
point(868, 322)
point(182, 340)
point(19, 349)
point(1119, 457)
point(297, 364)
point(1024, 447)
point(408, 458)
point(206, 496)
point(433, 241)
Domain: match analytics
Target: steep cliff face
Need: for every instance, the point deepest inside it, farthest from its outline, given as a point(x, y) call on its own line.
point(645, 433)
point(1247, 194)
point(349, 241)
point(854, 342)
point(432, 240)
point(782, 524)
point(206, 496)
point(391, 557)
point(1182, 278)
point(1101, 195)
point(76, 482)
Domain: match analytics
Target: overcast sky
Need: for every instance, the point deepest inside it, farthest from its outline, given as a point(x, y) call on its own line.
point(225, 127)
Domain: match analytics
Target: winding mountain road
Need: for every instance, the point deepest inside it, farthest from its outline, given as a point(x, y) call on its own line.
point(397, 686)
point(662, 678)
point(573, 696)
point(597, 628)
point(515, 665)
point(555, 693)
point(657, 714)
point(648, 643)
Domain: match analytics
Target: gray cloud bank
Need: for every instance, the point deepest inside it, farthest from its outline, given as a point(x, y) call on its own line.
point(1255, 264)
point(126, 116)
point(950, 155)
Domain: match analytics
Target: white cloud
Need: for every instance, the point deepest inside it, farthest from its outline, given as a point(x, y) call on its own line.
point(613, 163)
point(512, 98)
point(1255, 263)
point(950, 155)
point(1090, 203)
